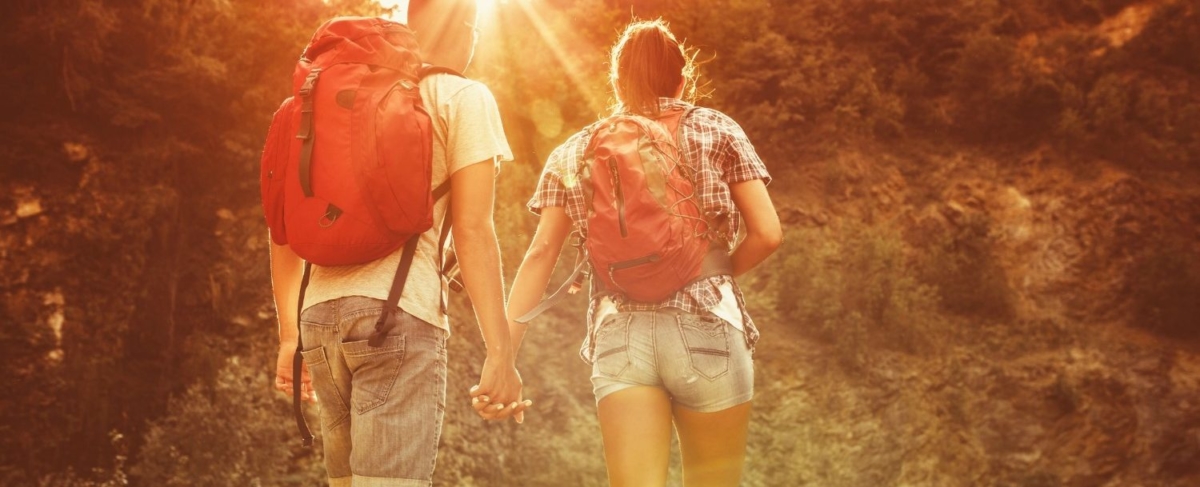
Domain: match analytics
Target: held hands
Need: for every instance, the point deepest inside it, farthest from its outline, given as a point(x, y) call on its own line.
point(283, 374)
point(498, 394)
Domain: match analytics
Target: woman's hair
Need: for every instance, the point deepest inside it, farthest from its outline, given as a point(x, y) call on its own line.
point(647, 63)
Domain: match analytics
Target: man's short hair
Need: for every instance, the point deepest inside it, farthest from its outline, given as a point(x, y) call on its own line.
point(439, 24)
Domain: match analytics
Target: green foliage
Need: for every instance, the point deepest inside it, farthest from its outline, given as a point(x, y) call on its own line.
point(155, 242)
point(1164, 287)
point(969, 279)
point(1171, 38)
point(1108, 104)
point(115, 476)
point(229, 432)
point(169, 102)
point(856, 290)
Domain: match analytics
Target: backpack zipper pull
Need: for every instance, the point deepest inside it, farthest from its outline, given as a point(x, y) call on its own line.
point(619, 195)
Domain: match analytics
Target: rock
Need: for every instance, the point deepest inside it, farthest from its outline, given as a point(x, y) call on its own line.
point(75, 152)
point(29, 207)
point(1147, 365)
point(820, 218)
point(54, 298)
point(954, 212)
point(791, 216)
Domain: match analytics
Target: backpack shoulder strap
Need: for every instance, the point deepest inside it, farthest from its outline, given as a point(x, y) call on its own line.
point(306, 436)
point(385, 323)
point(570, 286)
point(679, 126)
point(430, 70)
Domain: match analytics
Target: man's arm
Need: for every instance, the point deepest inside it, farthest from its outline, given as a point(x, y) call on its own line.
point(472, 196)
point(286, 271)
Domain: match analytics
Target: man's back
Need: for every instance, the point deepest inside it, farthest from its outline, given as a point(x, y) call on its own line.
point(466, 130)
point(383, 388)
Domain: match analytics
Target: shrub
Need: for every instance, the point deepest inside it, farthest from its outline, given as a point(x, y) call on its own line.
point(99, 477)
point(234, 431)
point(969, 280)
point(1165, 284)
point(856, 291)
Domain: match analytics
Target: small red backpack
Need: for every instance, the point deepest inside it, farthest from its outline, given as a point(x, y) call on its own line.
point(647, 234)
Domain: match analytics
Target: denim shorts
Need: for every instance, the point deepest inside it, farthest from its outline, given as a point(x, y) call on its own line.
point(703, 362)
point(381, 408)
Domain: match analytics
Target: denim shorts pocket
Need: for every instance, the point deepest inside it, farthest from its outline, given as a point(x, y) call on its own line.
point(329, 397)
point(707, 341)
point(612, 345)
point(374, 370)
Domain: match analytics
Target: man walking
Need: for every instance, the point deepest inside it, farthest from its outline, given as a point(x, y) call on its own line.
point(382, 400)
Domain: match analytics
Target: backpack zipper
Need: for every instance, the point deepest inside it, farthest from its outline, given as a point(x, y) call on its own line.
point(616, 183)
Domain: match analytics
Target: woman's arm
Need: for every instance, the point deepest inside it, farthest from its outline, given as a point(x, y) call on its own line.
point(763, 233)
point(534, 274)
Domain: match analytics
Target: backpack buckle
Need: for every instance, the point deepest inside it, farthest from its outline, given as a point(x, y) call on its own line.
point(331, 215)
point(310, 82)
point(577, 239)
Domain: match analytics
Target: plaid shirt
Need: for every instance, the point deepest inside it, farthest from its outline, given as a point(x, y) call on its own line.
point(722, 154)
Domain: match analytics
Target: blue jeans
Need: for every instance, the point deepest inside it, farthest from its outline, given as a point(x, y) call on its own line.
point(381, 408)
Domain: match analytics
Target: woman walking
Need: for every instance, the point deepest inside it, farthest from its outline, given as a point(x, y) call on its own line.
point(669, 337)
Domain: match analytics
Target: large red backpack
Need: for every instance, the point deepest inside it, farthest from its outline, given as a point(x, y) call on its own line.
point(347, 168)
point(647, 234)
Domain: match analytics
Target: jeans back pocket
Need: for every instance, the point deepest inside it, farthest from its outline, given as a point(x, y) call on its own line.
point(612, 345)
point(374, 370)
point(329, 395)
point(706, 339)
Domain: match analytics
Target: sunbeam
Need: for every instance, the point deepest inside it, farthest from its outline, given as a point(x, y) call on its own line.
point(399, 8)
point(569, 64)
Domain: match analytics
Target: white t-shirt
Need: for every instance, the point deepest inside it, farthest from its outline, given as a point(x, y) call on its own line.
point(466, 131)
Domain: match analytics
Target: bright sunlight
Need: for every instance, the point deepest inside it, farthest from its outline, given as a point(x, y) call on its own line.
point(400, 7)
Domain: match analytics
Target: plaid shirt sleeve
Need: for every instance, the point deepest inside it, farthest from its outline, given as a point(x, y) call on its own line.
point(550, 189)
point(739, 160)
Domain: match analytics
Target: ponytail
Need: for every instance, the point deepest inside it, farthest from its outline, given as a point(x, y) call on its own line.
point(647, 63)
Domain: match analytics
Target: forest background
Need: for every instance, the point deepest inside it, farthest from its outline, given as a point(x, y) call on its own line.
point(990, 276)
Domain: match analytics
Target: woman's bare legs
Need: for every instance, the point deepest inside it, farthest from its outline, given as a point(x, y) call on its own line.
point(713, 445)
point(636, 426)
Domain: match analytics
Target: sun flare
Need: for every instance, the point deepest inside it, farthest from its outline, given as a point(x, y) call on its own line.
point(400, 8)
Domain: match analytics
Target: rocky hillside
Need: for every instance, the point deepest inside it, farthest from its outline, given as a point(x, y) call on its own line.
point(1073, 381)
point(990, 276)
point(1042, 368)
